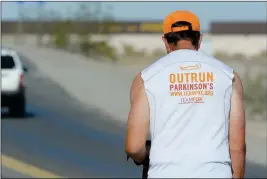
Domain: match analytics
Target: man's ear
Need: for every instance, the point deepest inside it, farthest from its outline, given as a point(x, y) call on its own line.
point(199, 42)
point(164, 40)
point(167, 46)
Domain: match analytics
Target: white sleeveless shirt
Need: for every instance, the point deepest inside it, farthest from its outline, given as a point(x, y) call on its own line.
point(189, 96)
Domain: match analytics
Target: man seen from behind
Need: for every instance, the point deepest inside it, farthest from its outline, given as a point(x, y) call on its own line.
point(193, 105)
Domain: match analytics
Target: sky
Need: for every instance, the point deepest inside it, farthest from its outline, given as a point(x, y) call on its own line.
point(151, 11)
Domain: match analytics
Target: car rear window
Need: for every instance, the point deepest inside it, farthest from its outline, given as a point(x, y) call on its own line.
point(7, 62)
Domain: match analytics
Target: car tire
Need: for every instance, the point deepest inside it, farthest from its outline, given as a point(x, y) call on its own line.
point(17, 107)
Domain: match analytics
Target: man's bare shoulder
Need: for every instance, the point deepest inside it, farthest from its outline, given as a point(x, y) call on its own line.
point(237, 112)
point(237, 84)
point(138, 81)
point(137, 86)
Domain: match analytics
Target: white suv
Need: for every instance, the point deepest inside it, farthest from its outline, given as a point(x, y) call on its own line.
point(12, 79)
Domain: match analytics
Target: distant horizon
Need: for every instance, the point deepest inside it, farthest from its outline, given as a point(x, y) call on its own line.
point(136, 21)
point(144, 27)
point(207, 12)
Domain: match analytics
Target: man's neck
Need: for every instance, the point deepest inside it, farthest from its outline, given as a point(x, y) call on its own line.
point(184, 45)
point(176, 49)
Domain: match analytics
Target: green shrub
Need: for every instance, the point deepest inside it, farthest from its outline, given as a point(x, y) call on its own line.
point(85, 44)
point(61, 35)
point(130, 50)
point(238, 56)
point(225, 56)
point(261, 55)
point(100, 48)
point(255, 94)
point(221, 55)
point(103, 48)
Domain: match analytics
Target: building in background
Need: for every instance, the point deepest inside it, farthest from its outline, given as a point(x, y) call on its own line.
point(229, 38)
point(247, 38)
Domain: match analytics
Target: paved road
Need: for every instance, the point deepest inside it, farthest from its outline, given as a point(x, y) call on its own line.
point(62, 136)
point(10, 173)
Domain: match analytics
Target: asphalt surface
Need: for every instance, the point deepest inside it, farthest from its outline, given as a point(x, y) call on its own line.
point(60, 135)
point(10, 173)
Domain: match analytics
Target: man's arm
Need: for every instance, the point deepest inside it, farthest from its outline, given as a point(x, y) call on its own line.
point(237, 129)
point(138, 122)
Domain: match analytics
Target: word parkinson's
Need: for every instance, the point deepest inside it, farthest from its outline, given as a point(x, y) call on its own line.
point(191, 84)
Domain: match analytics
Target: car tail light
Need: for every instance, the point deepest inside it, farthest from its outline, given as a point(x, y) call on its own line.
point(21, 80)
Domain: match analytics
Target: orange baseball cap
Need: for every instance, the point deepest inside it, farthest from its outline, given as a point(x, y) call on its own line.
point(179, 16)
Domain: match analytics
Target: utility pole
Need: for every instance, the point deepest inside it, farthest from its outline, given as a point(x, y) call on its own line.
point(97, 19)
point(20, 28)
point(40, 22)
